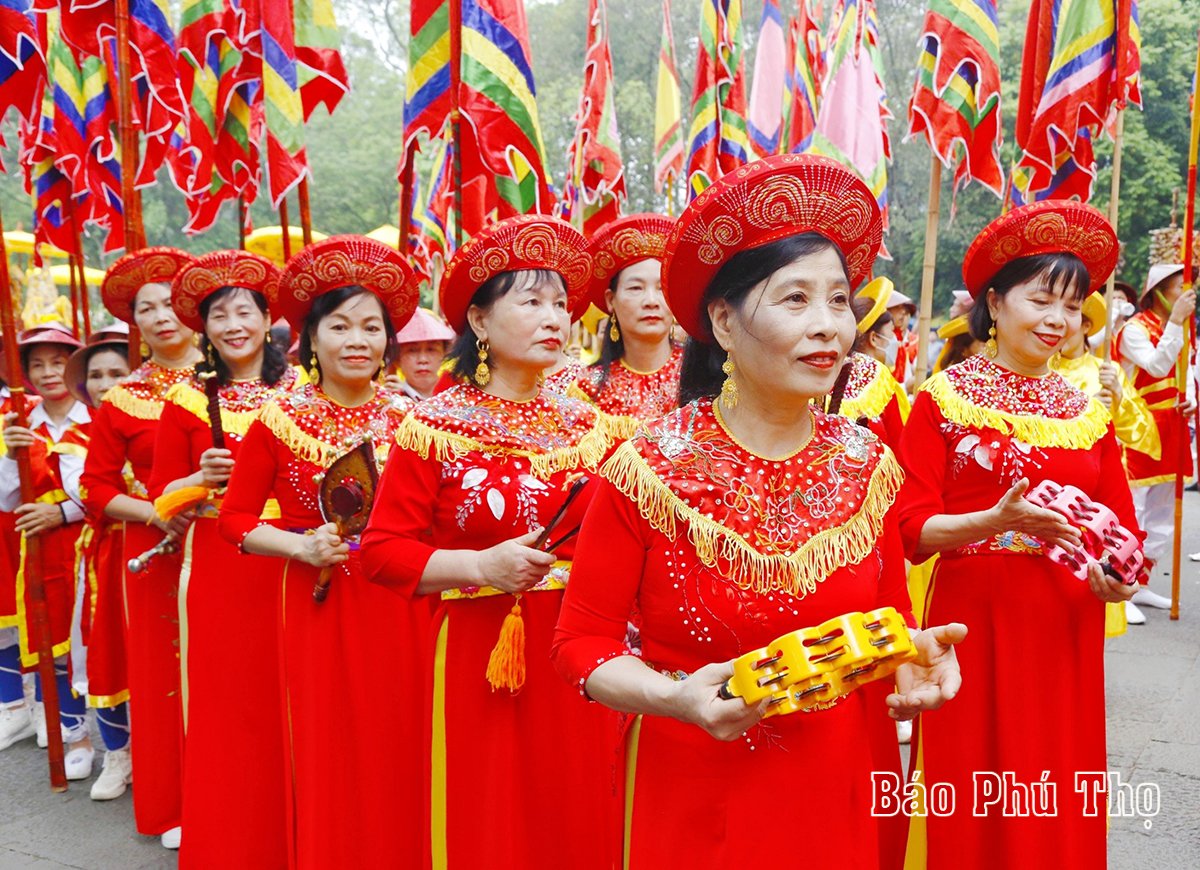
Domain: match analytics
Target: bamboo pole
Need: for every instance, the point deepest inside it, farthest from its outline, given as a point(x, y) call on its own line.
point(34, 568)
point(285, 231)
point(1114, 201)
point(305, 213)
point(1189, 253)
point(928, 269)
point(86, 310)
point(456, 115)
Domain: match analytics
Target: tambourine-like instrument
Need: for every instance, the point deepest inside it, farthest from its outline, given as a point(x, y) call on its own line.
point(1105, 540)
point(346, 495)
point(813, 666)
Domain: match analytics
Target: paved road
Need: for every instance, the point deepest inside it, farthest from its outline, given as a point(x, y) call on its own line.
point(1153, 676)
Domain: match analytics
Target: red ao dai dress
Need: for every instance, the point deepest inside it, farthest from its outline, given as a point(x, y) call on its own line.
point(632, 397)
point(721, 551)
point(10, 541)
point(354, 667)
point(523, 779)
point(873, 392)
point(233, 777)
point(1032, 699)
point(124, 429)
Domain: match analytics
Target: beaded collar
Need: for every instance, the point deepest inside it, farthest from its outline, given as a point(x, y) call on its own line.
point(870, 388)
point(561, 380)
point(637, 396)
point(553, 431)
point(1042, 412)
point(768, 525)
point(319, 430)
point(142, 392)
point(241, 401)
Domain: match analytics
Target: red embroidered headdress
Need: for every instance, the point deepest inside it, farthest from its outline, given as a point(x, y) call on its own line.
point(135, 270)
point(521, 242)
point(1049, 227)
point(623, 242)
point(759, 203)
point(222, 269)
point(343, 261)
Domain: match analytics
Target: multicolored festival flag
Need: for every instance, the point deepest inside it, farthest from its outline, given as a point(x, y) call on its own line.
point(283, 109)
point(22, 65)
point(805, 70)
point(1081, 64)
point(852, 118)
point(595, 188)
point(768, 86)
point(956, 99)
point(718, 141)
point(668, 111)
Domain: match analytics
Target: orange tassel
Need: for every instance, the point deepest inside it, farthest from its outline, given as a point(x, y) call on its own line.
point(183, 499)
point(506, 666)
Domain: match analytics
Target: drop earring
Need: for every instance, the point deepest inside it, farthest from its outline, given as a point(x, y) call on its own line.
point(483, 374)
point(314, 370)
point(614, 330)
point(990, 347)
point(729, 390)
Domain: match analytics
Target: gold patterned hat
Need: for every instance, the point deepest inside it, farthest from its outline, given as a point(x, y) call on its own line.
point(623, 242)
point(133, 271)
point(219, 269)
point(345, 261)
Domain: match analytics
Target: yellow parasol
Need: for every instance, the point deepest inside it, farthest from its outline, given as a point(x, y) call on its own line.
point(17, 242)
point(387, 234)
point(268, 242)
point(62, 275)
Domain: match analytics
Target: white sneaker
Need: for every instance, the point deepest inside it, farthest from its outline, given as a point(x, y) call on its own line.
point(1147, 597)
point(79, 763)
point(1195, 557)
point(115, 775)
point(39, 720)
point(16, 724)
point(1133, 616)
point(904, 731)
point(170, 839)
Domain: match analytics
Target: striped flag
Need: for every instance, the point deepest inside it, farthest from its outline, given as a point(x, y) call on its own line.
point(852, 118)
point(22, 64)
point(768, 87)
point(596, 184)
point(718, 141)
point(668, 110)
point(283, 109)
point(805, 70)
point(956, 99)
point(322, 74)
point(1081, 63)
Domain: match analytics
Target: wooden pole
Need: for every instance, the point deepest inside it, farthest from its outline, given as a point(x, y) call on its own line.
point(285, 231)
point(406, 199)
point(72, 260)
point(456, 115)
point(929, 269)
point(1181, 365)
point(34, 570)
point(135, 234)
point(305, 213)
point(241, 218)
point(1114, 201)
point(86, 307)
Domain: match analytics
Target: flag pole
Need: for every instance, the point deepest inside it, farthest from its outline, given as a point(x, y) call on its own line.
point(406, 178)
point(131, 204)
point(285, 231)
point(1189, 253)
point(34, 570)
point(86, 307)
point(72, 259)
point(241, 219)
point(456, 114)
point(1114, 200)
point(929, 268)
point(305, 213)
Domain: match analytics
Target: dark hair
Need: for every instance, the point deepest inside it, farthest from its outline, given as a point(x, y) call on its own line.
point(862, 307)
point(1061, 270)
point(326, 304)
point(463, 353)
point(700, 375)
point(956, 349)
point(28, 349)
point(121, 350)
point(274, 363)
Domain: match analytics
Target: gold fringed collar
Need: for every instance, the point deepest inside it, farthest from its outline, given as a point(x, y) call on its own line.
point(317, 430)
point(241, 401)
point(142, 392)
point(870, 388)
point(768, 525)
point(554, 432)
point(1041, 412)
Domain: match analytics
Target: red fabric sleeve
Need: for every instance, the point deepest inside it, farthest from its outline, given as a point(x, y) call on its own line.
point(923, 456)
point(172, 448)
point(399, 538)
point(893, 423)
point(103, 470)
point(1113, 490)
point(250, 485)
point(609, 563)
point(893, 581)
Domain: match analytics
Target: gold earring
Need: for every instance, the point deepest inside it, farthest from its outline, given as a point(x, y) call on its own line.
point(268, 339)
point(482, 373)
point(314, 370)
point(990, 347)
point(729, 390)
point(144, 350)
point(614, 331)
point(212, 363)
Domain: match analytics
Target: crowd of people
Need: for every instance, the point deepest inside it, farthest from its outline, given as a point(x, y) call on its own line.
point(427, 590)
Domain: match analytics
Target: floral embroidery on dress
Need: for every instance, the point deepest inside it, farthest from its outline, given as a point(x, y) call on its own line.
point(487, 486)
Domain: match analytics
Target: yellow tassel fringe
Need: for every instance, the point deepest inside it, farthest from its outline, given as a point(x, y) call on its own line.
point(872, 401)
point(1073, 433)
point(506, 665)
point(142, 409)
point(172, 504)
point(195, 402)
point(727, 551)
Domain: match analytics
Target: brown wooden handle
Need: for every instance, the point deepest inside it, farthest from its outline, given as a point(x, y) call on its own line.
point(321, 587)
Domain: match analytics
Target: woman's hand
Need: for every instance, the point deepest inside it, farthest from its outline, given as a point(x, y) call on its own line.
point(1110, 386)
point(697, 701)
point(1106, 588)
point(174, 528)
point(323, 547)
point(932, 678)
point(1014, 513)
point(216, 464)
point(33, 519)
point(16, 436)
point(513, 566)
